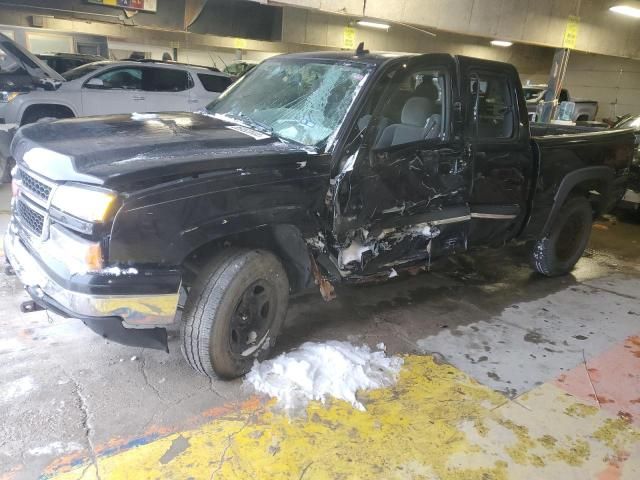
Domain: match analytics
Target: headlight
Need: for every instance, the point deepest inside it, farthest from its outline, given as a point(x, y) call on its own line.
point(6, 97)
point(84, 203)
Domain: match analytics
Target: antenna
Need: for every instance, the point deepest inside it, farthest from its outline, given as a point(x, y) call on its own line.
point(360, 50)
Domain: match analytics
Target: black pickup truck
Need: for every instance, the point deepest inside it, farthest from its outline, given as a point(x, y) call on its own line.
point(313, 169)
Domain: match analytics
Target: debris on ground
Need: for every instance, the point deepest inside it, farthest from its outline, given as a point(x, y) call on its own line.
point(316, 371)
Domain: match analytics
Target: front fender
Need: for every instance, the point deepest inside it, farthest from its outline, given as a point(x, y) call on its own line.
point(167, 226)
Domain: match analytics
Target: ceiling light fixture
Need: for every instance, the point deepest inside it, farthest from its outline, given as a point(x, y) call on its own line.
point(371, 24)
point(501, 43)
point(628, 10)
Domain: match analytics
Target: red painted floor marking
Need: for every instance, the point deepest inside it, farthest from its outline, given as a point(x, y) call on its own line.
point(615, 377)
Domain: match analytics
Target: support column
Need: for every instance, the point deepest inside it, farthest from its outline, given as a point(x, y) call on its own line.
point(556, 79)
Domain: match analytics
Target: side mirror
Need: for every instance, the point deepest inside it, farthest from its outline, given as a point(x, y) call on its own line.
point(95, 83)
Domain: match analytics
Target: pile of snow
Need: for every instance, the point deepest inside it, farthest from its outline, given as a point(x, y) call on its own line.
point(117, 271)
point(317, 370)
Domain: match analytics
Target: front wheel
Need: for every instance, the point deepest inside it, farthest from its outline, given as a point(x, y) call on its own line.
point(234, 312)
point(558, 252)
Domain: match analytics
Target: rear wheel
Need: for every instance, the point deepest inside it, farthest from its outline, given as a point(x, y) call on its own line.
point(558, 252)
point(234, 312)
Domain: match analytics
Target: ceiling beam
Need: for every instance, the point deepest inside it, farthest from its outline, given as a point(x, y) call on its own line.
point(534, 22)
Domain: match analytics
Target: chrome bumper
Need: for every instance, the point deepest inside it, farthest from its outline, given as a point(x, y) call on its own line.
point(136, 311)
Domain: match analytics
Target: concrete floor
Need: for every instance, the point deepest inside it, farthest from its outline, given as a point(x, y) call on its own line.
point(75, 406)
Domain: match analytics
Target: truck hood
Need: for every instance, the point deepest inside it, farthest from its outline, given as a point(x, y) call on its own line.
point(23, 70)
point(118, 150)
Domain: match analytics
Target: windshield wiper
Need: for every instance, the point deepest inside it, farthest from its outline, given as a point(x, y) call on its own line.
point(247, 121)
point(256, 124)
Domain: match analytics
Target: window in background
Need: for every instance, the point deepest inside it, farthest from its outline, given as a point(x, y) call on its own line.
point(88, 48)
point(165, 80)
point(49, 43)
point(122, 78)
point(214, 83)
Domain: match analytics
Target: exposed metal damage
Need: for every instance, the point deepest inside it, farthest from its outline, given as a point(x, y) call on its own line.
point(364, 246)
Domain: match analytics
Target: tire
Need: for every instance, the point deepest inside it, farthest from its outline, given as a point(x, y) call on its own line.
point(234, 312)
point(52, 112)
point(558, 252)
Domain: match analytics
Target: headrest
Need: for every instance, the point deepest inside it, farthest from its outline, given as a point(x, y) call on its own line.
point(416, 111)
point(427, 90)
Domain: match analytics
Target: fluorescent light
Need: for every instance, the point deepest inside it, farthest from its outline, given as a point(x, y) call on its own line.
point(370, 24)
point(626, 10)
point(501, 43)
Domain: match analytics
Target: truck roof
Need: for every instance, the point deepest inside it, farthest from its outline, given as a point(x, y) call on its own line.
point(379, 58)
point(371, 58)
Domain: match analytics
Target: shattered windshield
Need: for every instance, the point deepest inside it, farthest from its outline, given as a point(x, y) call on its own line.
point(300, 100)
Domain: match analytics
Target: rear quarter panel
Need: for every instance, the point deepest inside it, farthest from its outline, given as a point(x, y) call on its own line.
point(603, 156)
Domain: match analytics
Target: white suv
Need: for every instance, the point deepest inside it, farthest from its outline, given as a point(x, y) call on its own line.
point(111, 87)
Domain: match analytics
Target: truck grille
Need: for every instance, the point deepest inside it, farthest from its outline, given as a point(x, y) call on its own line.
point(34, 186)
point(30, 218)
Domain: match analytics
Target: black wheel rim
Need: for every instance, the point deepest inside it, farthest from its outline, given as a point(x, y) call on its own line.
point(569, 237)
point(252, 319)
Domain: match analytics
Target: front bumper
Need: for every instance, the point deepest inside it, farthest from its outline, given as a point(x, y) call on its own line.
point(133, 311)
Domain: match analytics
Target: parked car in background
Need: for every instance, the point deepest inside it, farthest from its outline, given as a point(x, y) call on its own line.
point(239, 68)
point(128, 86)
point(631, 197)
point(33, 91)
point(586, 110)
point(317, 169)
point(20, 73)
point(62, 62)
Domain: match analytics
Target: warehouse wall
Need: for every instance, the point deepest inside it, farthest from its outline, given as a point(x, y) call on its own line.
point(539, 22)
point(315, 28)
point(613, 82)
point(170, 14)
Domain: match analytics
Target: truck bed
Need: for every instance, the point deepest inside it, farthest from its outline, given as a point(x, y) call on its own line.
point(548, 129)
point(561, 150)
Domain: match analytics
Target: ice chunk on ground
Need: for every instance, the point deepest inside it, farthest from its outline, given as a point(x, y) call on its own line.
point(143, 116)
point(316, 371)
point(55, 448)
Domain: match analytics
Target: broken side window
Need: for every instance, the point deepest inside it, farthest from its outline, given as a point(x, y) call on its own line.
point(412, 109)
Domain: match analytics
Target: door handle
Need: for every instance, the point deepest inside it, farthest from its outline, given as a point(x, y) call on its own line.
point(138, 97)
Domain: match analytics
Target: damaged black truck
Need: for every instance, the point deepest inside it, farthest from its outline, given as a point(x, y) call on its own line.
point(313, 169)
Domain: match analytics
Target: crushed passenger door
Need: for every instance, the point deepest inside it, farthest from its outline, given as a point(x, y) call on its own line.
point(402, 196)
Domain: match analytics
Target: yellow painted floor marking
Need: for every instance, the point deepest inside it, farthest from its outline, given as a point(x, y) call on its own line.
point(436, 423)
